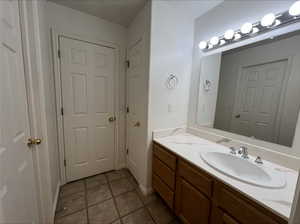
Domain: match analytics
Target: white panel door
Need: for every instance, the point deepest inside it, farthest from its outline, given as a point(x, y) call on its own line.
point(87, 75)
point(259, 95)
point(18, 202)
point(136, 104)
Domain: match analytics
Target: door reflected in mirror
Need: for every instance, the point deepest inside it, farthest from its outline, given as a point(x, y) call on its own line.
point(254, 91)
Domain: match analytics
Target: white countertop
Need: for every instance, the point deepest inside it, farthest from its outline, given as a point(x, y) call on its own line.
point(189, 147)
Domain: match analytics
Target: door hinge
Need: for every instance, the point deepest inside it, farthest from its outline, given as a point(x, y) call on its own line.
point(128, 64)
point(58, 53)
point(127, 110)
point(65, 162)
point(127, 151)
point(62, 111)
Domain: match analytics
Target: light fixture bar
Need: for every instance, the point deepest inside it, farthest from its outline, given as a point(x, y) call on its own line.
point(249, 30)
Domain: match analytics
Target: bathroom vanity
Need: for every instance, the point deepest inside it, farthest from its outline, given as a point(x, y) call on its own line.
point(197, 193)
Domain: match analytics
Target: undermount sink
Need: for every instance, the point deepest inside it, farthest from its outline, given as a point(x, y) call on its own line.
point(244, 170)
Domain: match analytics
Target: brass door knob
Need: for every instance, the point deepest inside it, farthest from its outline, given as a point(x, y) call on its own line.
point(112, 119)
point(137, 124)
point(34, 141)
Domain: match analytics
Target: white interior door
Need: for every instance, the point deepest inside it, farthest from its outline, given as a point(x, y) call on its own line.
point(258, 100)
point(87, 75)
point(18, 203)
point(135, 105)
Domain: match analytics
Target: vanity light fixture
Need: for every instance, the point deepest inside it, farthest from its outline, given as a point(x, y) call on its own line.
point(229, 34)
point(246, 28)
point(214, 41)
point(295, 9)
point(268, 22)
point(237, 36)
point(203, 45)
point(222, 42)
point(255, 30)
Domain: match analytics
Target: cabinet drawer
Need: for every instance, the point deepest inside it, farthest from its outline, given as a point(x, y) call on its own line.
point(199, 179)
point(164, 172)
point(163, 190)
point(243, 209)
point(168, 158)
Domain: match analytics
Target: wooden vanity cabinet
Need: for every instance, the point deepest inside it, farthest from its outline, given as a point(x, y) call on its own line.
point(192, 195)
point(163, 174)
point(198, 198)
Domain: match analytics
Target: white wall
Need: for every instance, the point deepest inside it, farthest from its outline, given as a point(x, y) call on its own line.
point(216, 22)
point(83, 26)
point(172, 38)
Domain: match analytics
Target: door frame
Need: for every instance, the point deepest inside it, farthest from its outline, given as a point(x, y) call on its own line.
point(28, 11)
point(287, 74)
point(55, 35)
point(128, 48)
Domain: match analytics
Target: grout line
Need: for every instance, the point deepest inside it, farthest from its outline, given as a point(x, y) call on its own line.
point(113, 198)
point(86, 201)
point(72, 213)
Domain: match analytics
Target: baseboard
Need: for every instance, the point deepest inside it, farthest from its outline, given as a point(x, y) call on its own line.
point(145, 190)
point(55, 200)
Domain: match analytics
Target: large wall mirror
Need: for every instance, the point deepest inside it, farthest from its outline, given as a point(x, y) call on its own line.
point(253, 90)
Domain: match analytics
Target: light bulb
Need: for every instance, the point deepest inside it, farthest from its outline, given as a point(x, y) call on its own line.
point(277, 22)
point(214, 41)
point(268, 20)
point(222, 42)
point(255, 30)
point(295, 9)
point(202, 45)
point(229, 34)
point(237, 36)
point(246, 28)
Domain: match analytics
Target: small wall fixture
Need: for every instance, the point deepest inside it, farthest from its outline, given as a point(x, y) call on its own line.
point(269, 22)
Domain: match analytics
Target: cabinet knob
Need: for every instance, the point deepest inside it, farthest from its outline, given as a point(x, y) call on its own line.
point(34, 141)
point(112, 119)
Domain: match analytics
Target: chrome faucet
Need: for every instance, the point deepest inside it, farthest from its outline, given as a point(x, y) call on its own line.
point(243, 151)
point(232, 150)
point(258, 160)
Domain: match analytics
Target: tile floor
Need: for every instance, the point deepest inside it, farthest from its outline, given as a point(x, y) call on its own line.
point(110, 198)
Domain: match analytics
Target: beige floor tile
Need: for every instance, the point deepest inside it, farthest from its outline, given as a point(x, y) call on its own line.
point(118, 174)
point(70, 204)
point(133, 182)
point(138, 217)
point(121, 186)
point(98, 194)
point(117, 222)
point(160, 212)
point(103, 213)
point(72, 188)
point(96, 181)
point(75, 218)
point(128, 202)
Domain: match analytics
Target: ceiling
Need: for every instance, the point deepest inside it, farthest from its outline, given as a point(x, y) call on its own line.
point(117, 11)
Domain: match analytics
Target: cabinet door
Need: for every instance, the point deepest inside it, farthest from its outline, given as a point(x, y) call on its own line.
point(191, 205)
point(220, 217)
